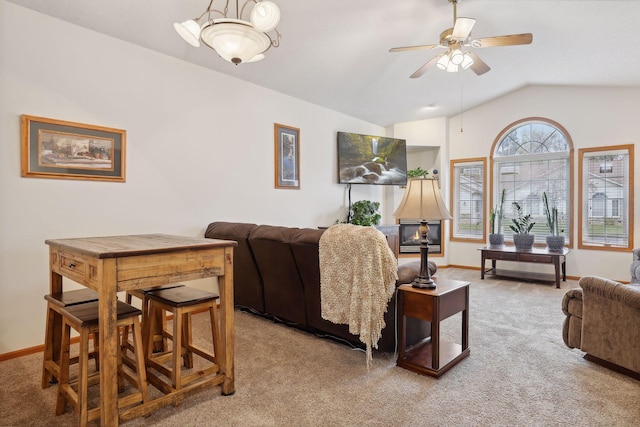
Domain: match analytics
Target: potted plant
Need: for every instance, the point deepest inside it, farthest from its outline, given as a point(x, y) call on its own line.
point(417, 173)
point(363, 212)
point(555, 242)
point(521, 226)
point(496, 238)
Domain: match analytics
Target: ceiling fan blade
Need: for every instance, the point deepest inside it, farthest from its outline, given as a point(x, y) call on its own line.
point(420, 47)
point(479, 66)
point(420, 71)
point(510, 40)
point(462, 28)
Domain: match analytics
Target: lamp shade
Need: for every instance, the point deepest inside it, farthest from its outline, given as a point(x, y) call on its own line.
point(235, 40)
point(422, 201)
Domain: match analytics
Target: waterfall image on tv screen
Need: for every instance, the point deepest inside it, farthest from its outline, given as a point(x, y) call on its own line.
point(366, 159)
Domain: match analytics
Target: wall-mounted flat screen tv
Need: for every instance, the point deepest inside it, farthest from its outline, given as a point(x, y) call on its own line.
point(367, 159)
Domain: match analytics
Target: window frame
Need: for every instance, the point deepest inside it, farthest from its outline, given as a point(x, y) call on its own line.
point(629, 198)
point(494, 181)
point(453, 203)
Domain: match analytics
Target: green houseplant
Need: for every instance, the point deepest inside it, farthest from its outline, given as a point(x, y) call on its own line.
point(496, 238)
point(417, 173)
point(521, 225)
point(555, 242)
point(363, 212)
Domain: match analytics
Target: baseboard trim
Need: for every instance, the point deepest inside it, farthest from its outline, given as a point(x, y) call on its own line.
point(30, 350)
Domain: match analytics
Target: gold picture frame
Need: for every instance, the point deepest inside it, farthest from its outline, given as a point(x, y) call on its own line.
point(66, 150)
point(287, 157)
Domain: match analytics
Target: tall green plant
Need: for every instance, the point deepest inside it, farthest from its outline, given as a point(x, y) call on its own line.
point(521, 224)
point(551, 215)
point(497, 215)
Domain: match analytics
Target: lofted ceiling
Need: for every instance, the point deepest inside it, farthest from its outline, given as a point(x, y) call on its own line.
point(334, 53)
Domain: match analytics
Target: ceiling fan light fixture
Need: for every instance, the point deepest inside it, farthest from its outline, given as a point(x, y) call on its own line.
point(456, 56)
point(443, 62)
point(457, 37)
point(452, 68)
point(235, 38)
point(467, 61)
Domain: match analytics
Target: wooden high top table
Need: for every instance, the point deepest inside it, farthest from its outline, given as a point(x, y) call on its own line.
point(122, 263)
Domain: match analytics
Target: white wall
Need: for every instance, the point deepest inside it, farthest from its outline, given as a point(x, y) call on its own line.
point(199, 149)
point(593, 117)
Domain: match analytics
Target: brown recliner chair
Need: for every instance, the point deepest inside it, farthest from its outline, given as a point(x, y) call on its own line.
point(603, 320)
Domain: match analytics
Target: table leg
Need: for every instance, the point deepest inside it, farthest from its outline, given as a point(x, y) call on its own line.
point(435, 335)
point(55, 286)
point(465, 320)
point(482, 266)
point(564, 269)
point(107, 306)
point(225, 284)
point(556, 263)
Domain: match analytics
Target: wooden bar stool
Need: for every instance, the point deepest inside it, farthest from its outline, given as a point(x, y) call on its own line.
point(182, 302)
point(56, 302)
point(84, 319)
point(157, 320)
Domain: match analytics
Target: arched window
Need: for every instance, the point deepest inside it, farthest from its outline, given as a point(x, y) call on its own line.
point(531, 157)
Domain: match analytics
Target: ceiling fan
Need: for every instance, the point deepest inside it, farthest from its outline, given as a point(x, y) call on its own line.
point(456, 40)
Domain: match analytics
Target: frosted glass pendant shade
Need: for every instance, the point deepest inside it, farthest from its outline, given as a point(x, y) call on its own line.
point(234, 40)
point(189, 31)
point(265, 16)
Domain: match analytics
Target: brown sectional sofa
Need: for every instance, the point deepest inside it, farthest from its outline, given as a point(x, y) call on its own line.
point(277, 274)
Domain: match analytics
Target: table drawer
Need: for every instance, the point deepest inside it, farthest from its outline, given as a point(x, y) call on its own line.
point(536, 258)
point(505, 256)
point(73, 267)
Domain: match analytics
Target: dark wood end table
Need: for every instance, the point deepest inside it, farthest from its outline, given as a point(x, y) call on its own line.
point(433, 356)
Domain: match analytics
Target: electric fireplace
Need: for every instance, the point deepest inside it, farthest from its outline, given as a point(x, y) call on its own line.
point(410, 236)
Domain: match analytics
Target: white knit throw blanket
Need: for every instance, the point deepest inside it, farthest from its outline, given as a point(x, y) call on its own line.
point(358, 272)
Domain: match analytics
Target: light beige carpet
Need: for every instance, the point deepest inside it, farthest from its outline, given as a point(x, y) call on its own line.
point(519, 373)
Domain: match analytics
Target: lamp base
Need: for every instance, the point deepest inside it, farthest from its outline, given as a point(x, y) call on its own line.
point(423, 283)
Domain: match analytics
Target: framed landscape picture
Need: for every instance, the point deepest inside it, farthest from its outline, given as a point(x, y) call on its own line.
point(287, 157)
point(66, 150)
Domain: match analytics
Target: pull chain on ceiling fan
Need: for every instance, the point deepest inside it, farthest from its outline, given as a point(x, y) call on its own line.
point(457, 41)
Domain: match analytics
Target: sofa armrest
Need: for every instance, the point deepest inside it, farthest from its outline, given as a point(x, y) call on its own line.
point(610, 289)
point(572, 303)
point(410, 270)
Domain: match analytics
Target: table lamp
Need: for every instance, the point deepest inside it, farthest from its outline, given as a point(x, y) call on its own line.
point(422, 201)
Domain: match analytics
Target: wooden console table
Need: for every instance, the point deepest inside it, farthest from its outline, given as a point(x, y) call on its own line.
point(535, 255)
point(121, 263)
point(433, 356)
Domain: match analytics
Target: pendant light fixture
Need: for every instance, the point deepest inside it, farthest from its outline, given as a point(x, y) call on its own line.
point(234, 38)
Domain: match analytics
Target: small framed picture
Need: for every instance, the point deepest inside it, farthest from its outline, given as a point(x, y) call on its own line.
point(287, 157)
point(66, 150)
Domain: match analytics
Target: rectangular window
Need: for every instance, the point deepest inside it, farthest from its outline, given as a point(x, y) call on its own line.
point(526, 178)
point(467, 200)
point(606, 186)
